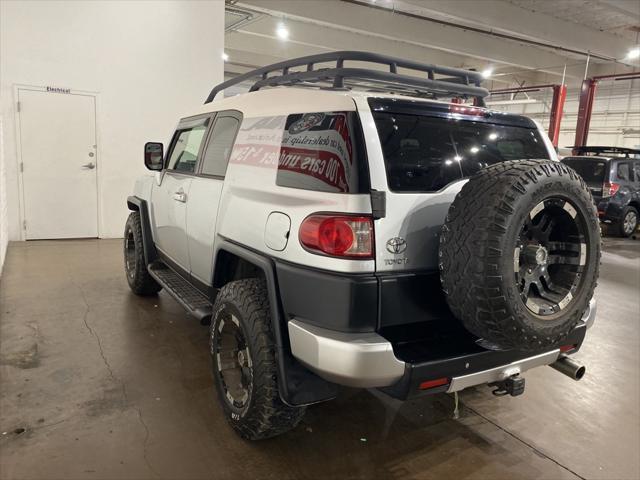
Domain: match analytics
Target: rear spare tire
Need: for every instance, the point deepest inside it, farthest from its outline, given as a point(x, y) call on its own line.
point(520, 253)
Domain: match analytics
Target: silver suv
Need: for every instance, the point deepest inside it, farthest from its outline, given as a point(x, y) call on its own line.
point(342, 225)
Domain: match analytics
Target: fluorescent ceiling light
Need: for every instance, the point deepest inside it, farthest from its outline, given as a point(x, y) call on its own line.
point(282, 32)
point(513, 102)
point(633, 53)
point(487, 72)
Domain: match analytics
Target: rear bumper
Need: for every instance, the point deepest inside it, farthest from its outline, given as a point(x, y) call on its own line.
point(609, 211)
point(368, 360)
point(352, 359)
point(503, 371)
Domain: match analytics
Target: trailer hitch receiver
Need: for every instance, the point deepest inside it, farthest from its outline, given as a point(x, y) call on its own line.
point(512, 385)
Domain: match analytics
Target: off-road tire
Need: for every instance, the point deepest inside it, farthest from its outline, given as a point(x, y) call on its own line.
point(264, 415)
point(140, 282)
point(620, 226)
point(477, 245)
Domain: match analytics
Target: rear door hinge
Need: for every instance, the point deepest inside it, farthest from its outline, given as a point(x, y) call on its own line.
point(18, 106)
point(378, 204)
point(24, 224)
point(21, 167)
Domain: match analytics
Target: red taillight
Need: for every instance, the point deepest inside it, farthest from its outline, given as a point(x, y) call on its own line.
point(438, 382)
point(466, 109)
point(609, 189)
point(567, 348)
point(338, 235)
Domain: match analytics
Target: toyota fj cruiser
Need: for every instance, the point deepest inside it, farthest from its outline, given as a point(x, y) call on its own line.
point(369, 227)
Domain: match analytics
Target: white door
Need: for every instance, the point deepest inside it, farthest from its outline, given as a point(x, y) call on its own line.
point(204, 195)
point(169, 210)
point(59, 164)
point(169, 199)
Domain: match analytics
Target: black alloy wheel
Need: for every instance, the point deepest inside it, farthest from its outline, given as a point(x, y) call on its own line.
point(550, 257)
point(233, 361)
point(130, 254)
point(244, 362)
point(135, 266)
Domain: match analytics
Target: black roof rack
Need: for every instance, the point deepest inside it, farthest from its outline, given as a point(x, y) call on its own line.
point(457, 82)
point(604, 150)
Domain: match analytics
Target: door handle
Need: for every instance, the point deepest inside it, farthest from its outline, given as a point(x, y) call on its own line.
point(89, 165)
point(180, 196)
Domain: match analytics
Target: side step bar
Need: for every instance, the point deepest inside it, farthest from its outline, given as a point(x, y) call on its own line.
point(194, 301)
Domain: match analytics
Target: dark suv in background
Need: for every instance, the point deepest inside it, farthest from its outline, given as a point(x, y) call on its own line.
point(613, 176)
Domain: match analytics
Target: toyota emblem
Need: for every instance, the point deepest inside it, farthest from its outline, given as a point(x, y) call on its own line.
point(396, 245)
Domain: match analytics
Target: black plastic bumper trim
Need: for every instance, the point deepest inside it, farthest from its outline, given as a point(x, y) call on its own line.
point(337, 301)
point(415, 373)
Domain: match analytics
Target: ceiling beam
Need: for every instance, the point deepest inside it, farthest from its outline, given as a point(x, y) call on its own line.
point(327, 25)
point(483, 49)
point(503, 17)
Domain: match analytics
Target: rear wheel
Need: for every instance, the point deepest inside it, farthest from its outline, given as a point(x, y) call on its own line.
point(243, 355)
point(140, 282)
point(520, 253)
point(628, 222)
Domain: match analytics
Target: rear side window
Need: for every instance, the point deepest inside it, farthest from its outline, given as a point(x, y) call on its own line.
point(186, 145)
point(323, 151)
point(593, 171)
point(622, 171)
point(216, 156)
point(425, 154)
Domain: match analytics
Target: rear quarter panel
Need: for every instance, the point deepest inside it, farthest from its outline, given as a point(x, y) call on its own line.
point(250, 192)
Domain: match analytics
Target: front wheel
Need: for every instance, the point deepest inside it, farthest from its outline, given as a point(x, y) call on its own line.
point(140, 282)
point(243, 355)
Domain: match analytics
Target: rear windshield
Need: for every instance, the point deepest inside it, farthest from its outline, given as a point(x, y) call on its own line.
point(592, 170)
point(425, 154)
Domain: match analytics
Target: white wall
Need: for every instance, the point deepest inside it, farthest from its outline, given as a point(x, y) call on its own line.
point(4, 224)
point(616, 109)
point(149, 61)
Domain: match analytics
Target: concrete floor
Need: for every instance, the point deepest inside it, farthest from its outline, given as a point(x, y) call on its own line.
point(97, 383)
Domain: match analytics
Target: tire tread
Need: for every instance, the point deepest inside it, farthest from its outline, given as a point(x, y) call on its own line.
point(143, 283)
point(471, 246)
point(268, 415)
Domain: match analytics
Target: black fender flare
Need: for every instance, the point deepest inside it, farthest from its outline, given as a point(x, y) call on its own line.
point(139, 205)
point(297, 385)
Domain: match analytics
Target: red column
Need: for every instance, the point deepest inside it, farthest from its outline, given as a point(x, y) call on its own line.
point(557, 107)
point(587, 94)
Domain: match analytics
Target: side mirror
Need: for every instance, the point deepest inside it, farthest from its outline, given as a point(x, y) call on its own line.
point(154, 155)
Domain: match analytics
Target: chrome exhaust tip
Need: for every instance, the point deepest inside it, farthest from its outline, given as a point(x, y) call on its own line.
point(569, 367)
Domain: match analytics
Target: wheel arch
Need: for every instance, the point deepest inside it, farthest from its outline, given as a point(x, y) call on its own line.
point(137, 204)
point(297, 385)
point(635, 204)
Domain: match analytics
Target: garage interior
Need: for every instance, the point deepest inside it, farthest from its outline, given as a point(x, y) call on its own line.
point(98, 383)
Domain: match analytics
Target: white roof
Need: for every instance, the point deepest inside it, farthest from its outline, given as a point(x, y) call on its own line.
point(287, 100)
